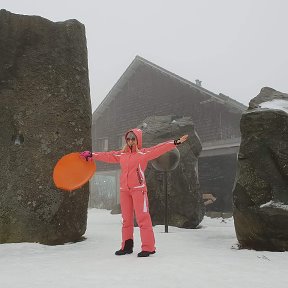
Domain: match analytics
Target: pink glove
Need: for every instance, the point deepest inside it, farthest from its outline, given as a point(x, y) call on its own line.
point(87, 155)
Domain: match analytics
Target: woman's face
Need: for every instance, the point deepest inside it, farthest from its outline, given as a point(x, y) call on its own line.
point(131, 139)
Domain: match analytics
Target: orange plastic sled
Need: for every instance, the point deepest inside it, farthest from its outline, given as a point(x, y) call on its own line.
point(72, 171)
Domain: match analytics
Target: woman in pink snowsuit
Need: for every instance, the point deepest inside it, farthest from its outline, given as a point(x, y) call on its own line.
point(133, 160)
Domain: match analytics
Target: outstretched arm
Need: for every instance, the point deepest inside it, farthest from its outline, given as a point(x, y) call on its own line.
point(108, 157)
point(157, 150)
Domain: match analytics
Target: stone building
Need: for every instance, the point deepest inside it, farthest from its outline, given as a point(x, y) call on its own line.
point(146, 89)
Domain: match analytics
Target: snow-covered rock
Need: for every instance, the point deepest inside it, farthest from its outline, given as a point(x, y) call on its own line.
point(260, 195)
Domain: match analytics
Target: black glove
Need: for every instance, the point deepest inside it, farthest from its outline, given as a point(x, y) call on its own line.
point(177, 142)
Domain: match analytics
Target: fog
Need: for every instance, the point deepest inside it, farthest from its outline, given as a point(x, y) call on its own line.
point(234, 47)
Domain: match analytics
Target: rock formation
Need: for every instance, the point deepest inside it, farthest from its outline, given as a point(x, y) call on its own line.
point(185, 203)
point(45, 113)
point(260, 195)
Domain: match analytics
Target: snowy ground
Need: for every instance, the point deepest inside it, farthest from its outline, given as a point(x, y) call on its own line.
point(205, 257)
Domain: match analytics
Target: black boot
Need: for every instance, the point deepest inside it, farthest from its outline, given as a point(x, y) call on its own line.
point(145, 253)
point(128, 248)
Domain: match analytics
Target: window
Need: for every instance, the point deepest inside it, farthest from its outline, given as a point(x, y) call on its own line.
point(121, 141)
point(102, 144)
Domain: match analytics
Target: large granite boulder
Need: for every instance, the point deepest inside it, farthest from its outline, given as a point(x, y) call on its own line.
point(185, 203)
point(260, 195)
point(45, 113)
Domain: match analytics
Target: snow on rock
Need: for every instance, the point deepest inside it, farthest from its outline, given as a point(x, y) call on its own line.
point(273, 204)
point(277, 104)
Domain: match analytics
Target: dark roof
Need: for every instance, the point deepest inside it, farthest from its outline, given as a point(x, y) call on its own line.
point(223, 99)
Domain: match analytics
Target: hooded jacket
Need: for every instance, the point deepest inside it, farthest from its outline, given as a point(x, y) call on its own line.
point(133, 163)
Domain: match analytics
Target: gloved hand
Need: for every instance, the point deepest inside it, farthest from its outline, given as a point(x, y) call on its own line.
point(180, 140)
point(87, 155)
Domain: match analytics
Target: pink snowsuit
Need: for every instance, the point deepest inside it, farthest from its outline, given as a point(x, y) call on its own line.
point(133, 190)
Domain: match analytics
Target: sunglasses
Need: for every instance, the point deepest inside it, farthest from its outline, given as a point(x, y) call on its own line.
point(132, 139)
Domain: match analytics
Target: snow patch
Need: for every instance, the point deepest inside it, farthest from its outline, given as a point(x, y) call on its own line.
point(277, 104)
point(198, 258)
point(273, 204)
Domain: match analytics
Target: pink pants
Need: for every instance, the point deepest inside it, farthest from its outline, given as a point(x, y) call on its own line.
point(138, 200)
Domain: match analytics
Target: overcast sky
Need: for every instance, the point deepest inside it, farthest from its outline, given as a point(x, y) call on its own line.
point(234, 47)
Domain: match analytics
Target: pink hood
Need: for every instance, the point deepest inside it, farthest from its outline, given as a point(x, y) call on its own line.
point(138, 134)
